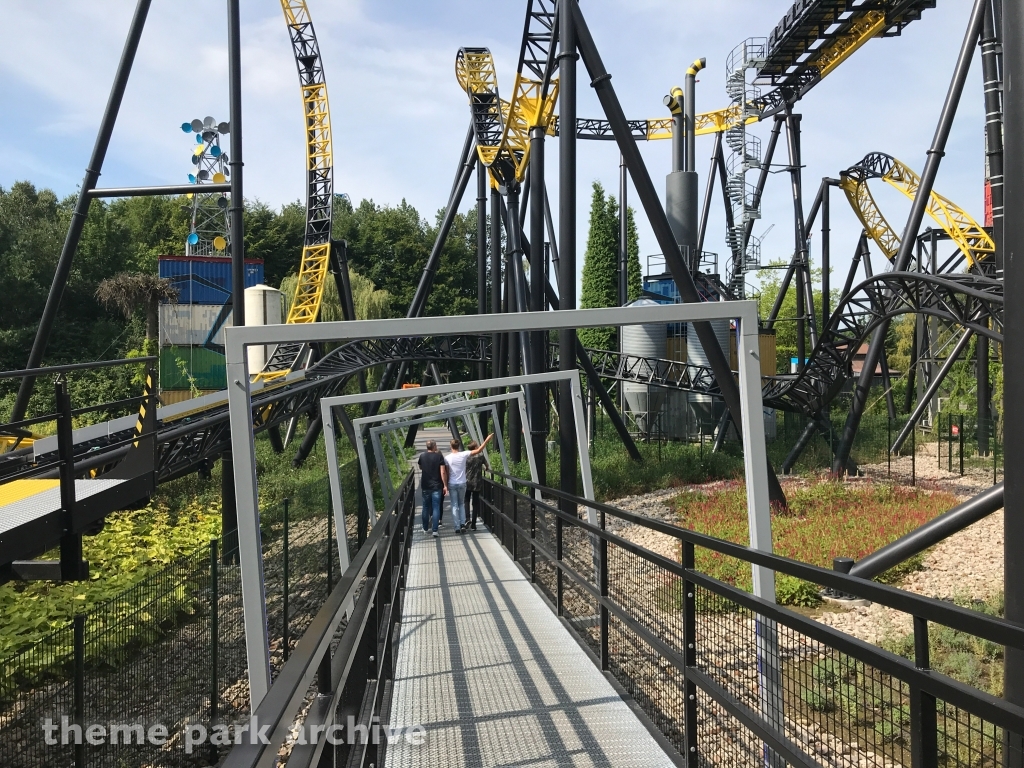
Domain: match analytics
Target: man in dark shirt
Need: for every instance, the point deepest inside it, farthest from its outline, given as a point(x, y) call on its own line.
point(433, 484)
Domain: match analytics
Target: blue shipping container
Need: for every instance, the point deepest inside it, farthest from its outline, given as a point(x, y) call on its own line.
point(206, 280)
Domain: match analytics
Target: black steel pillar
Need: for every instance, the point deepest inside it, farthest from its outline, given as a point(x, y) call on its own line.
point(806, 320)
point(994, 180)
point(496, 338)
point(567, 58)
point(538, 282)
point(236, 223)
point(623, 238)
point(709, 188)
point(917, 211)
point(513, 265)
point(826, 258)
point(481, 262)
point(601, 83)
point(1013, 353)
point(78, 216)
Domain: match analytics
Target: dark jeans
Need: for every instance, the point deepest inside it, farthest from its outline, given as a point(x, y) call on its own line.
point(432, 503)
point(473, 502)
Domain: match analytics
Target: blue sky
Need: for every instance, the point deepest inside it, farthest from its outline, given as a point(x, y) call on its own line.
point(399, 117)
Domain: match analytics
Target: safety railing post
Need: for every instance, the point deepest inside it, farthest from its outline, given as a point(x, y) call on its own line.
point(559, 584)
point(79, 687)
point(888, 443)
point(214, 642)
point(533, 541)
point(961, 436)
point(924, 749)
point(913, 456)
point(284, 629)
point(515, 534)
point(603, 586)
point(689, 597)
point(938, 439)
point(949, 443)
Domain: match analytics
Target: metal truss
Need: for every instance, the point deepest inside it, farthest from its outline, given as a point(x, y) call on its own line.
point(839, 27)
point(316, 248)
point(502, 129)
point(970, 237)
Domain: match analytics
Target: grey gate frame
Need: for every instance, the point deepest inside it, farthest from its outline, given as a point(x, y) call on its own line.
point(243, 447)
point(386, 431)
point(462, 409)
point(327, 403)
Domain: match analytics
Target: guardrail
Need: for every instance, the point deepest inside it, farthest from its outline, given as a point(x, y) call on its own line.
point(733, 679)
point(353, 672)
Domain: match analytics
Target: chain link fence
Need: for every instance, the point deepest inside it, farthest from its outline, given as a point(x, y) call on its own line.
point(166, 653)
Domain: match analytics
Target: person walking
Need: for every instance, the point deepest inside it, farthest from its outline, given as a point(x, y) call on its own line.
point(456, 461)
point(474, 484)
point(433, 485)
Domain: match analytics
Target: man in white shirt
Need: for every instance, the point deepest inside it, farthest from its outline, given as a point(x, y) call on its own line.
point(456, 461)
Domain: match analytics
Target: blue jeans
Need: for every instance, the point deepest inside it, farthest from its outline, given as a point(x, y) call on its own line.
point(431, 508)
point(458, 495)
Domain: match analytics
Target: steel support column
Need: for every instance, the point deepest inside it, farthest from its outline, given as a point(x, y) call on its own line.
point(78, 216)
point(601, 82)
point(481, 257)
point(236, 222)
point(567, 58)
point(538, 400)
point(1013, 355)
point(917, 211)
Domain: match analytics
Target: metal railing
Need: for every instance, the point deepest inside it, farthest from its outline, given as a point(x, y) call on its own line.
point(353, 669)
point(732, 679)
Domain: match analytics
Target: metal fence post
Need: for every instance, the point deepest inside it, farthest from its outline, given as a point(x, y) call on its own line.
point(533, 541)
point(888, 443)
point(961, 436)
point(515, 533)
point(913, 456)
point(214, 637)
point(559, 585)
point(603, 586)
point(284, 629)
point(79, 688)
point(949, 443)
point(938, 439)
point(924, 749)
point(690, 658)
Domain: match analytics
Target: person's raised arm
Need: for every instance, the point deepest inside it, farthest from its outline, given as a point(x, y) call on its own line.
point(475, 451)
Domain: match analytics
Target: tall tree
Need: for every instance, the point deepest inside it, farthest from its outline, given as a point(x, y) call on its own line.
point(601, 264)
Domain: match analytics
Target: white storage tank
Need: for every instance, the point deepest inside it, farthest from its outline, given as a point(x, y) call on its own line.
point(263, 306)
point(647, 341)
point(705, 414)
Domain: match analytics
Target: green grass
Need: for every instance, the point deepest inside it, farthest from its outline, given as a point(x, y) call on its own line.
point(823, 521)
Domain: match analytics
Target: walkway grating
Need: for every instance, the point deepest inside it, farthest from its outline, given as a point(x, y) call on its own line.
point(492, 675)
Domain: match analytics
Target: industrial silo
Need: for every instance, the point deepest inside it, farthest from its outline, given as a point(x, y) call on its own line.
point(648, 342)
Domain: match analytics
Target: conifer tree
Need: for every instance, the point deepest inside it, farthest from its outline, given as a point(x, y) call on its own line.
point(600, 288)
point(601, 265)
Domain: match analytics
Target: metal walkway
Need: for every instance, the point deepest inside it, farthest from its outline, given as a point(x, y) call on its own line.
point(493, 676)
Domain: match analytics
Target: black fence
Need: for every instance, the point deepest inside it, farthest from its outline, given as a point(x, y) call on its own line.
point(342, 671)
point(169, 651)
point(732, 679)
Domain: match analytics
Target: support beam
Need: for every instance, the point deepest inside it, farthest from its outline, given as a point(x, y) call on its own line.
point(236, 222)
point(567, 58)
point(917, 211)
point(601, 82)
point(538, 401)
point(481, 259)
point(78, 216)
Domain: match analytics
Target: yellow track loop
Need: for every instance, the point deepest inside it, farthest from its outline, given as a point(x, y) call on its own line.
point(309, 290)
point(476, 73)
point(972, 240)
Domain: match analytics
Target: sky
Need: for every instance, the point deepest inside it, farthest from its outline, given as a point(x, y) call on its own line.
point(399, 117)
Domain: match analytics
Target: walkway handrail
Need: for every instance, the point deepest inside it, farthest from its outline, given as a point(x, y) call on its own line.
point(981, 625)
point(679, 639)
point(352, 679)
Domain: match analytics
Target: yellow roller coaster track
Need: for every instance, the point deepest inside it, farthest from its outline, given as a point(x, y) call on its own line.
point(316, 250)
point(972, 240)
point(503, 127)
